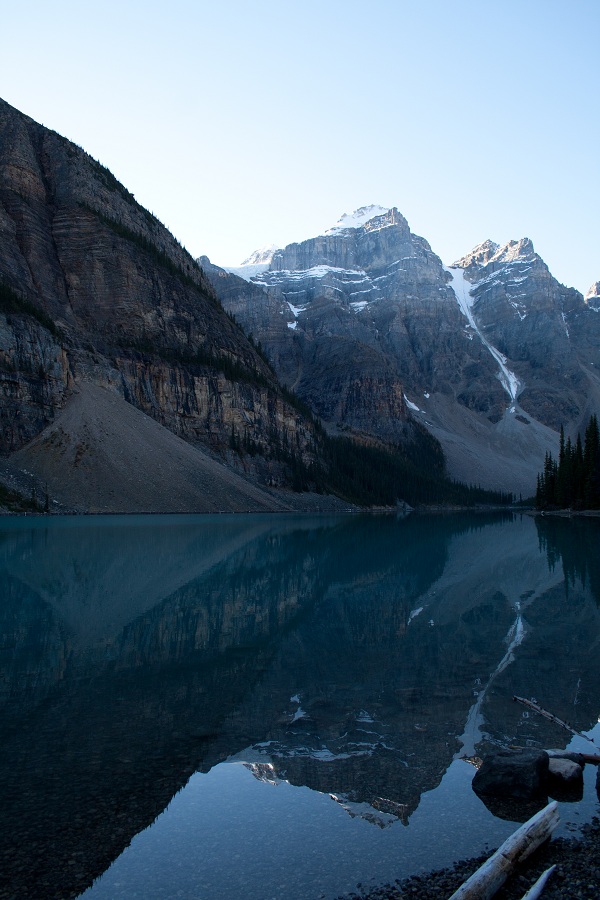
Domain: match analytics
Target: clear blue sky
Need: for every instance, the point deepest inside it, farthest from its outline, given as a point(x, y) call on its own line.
point(241, 124)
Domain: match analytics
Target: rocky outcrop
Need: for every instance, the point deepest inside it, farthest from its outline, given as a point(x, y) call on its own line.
point(93, 288)
point(34, 378)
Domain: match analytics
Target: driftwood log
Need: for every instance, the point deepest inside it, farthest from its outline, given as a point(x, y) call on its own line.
point(536, 889)
point(490, 877)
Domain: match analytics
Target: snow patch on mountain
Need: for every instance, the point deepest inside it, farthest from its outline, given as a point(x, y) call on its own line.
point(248, 273)
point(462, 291)
point(347, 276)
point(411, 405)
point(262, 255)
point(255, 264)
point(357, 219)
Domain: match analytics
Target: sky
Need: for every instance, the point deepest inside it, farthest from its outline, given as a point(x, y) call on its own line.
point(245, 124)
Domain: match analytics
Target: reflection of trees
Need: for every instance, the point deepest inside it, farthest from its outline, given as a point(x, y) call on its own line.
point(576, 544)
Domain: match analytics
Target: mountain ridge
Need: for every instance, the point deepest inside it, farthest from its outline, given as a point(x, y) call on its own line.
point(98, 300)
point(95, 290)
point(498, 357)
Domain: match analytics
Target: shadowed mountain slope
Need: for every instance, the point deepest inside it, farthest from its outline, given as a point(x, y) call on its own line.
point(95, 291)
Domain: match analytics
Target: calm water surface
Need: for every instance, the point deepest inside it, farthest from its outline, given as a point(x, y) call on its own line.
point(269, 707)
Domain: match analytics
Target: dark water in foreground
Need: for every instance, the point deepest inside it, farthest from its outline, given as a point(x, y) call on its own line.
point(275, 707)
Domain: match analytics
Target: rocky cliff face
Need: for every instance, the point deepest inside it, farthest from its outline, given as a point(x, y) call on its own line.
point(491, 354)
point(94, 288)
point(529, 317)
point(360, 320)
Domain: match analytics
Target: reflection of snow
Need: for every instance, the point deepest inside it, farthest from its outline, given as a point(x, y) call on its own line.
point(264, 772)
point(414, 614)
point(473, 728)
point(380, 812)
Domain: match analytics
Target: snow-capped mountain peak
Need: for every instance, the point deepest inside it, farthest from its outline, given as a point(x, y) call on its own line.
point(479, 255)
point(488, 251)
point(262, 255)
point(592, 297)
point(514, 251)
point(358, 218)
point(255, 264)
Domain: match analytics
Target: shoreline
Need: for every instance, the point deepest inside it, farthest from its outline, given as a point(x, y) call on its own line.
point(577, 874)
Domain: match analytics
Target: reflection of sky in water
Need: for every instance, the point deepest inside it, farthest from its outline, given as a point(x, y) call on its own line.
point(351, 660)
point(227, 834)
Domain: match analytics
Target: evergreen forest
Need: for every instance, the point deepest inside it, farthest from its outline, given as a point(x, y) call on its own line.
point(573, 480)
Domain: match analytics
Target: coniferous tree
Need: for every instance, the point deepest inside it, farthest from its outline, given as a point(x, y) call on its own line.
point(561, 472)
point(574, 480)
point(591, 465)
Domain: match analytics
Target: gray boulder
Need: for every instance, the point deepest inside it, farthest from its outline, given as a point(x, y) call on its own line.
point(578, 758)
point(565, 771)
point(565, 779)
point(521, 774)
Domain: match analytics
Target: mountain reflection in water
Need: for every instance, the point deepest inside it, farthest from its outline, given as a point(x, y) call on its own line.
point(354, 656)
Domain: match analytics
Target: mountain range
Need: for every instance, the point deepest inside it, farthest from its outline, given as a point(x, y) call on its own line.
point(134, 378)
point(367, 325)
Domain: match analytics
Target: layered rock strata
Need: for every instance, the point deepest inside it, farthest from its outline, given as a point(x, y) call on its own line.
point(93, 288)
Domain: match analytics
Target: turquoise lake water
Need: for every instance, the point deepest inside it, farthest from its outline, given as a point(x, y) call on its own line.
point(277, 707)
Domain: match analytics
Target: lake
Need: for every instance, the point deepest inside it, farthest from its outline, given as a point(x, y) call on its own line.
point(277, 706)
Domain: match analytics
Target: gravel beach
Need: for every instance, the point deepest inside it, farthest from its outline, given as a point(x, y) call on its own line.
point(577, 874)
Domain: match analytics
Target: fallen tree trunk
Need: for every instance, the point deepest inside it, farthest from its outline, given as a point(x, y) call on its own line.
point(490, 877)
point(552, 718)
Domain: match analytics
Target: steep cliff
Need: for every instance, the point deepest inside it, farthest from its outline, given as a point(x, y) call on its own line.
point(539, 325)
point(364, 321)
point(93, 288)
point(358, 317)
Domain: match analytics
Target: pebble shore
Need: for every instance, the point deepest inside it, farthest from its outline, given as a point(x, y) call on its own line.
point(577, 874)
